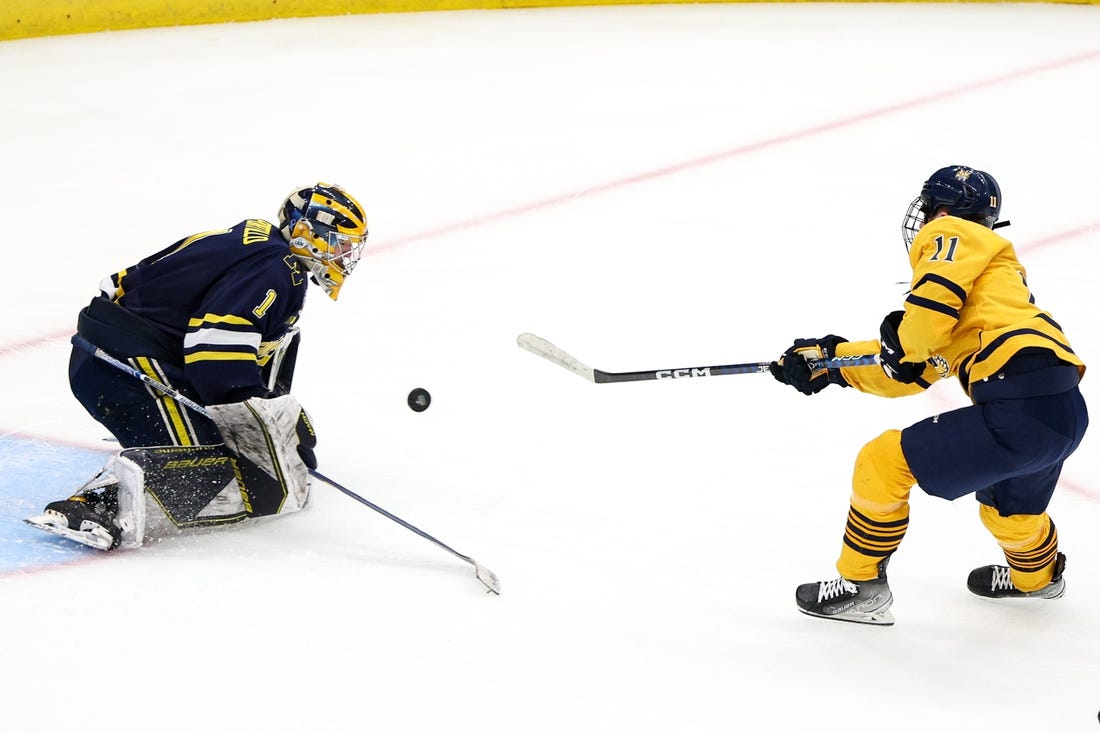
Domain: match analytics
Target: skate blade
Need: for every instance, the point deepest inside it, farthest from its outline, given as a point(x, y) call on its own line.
point(881, 617)
point(100, 539)
point(1051, 592)
point(1033, 596)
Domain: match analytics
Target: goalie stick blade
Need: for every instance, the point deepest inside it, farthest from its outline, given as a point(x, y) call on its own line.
point(545, 349)
point(488, 578)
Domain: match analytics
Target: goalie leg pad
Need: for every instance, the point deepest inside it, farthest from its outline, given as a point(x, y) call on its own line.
point(131, 500)
point(194, 486)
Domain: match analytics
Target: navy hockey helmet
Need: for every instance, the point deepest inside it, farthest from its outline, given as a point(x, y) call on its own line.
point(326, 229)
point(964, 192)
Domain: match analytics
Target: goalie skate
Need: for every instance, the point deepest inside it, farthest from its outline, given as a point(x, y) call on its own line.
point(74, 520)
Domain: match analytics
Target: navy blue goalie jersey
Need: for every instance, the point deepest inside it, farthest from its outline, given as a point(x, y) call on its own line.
point(231, 298)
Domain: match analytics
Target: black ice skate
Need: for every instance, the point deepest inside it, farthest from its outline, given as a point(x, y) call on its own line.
point(993, 581)
point(86, 518)
point(861, 602)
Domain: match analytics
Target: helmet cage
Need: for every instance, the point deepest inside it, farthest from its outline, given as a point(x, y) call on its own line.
point(914, 220)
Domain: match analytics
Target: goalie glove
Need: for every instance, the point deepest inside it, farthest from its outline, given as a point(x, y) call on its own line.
point(793, 368)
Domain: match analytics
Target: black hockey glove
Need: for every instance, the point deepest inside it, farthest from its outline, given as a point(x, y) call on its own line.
point(890, 352)
point(307, 440)
point(793, 367)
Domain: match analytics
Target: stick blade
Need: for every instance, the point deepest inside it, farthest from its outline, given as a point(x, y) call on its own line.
point(487, 578)
point(545, 349)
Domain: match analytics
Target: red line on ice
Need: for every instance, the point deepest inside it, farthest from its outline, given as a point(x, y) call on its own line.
point(720, 157)
point(738, 151)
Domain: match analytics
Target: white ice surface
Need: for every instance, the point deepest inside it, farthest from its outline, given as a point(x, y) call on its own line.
point(646, 187)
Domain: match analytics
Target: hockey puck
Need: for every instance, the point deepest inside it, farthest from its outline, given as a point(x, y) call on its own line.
point(419, 399)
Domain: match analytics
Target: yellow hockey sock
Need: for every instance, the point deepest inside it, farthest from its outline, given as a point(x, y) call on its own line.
point(1030, 545)
point(879, 512)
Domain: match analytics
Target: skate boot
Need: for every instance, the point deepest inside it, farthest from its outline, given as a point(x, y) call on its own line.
point(858, 601)
point(87, 518)
point(994, 581)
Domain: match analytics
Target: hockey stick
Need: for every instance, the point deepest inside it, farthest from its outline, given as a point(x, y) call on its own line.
point(550, 352)
point(486, 576)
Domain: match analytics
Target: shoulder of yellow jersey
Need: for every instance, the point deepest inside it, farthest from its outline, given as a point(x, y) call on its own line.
point(939, 241)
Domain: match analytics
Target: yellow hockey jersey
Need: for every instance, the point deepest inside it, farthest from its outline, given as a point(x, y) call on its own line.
point(969, 310)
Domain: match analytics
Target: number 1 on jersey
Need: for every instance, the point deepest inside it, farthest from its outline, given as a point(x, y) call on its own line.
point(261, 309)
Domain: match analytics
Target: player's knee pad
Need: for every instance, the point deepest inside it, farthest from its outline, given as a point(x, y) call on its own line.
point(264, 436)
point(881, 481)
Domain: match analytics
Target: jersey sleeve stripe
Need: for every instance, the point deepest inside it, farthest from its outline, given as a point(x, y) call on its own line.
point(198, 356)
point(221, 337)
point(216, 318)
point(933, 305)
point(955, 288)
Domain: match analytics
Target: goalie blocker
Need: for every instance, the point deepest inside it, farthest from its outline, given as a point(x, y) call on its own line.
point(262, 469)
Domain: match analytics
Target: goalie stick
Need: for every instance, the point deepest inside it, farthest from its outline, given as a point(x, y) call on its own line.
point(486, 576)
point(550, 352)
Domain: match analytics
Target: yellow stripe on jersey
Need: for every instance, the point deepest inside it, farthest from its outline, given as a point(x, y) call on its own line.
point(119, 290)
point(267, 350)
point(219, 356)
point(176, 423)
point(215, 318)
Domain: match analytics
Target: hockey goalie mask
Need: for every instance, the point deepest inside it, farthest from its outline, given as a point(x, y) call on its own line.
point(327, 231)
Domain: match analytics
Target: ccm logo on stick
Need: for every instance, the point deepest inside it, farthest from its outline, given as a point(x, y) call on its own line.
point(679, 373)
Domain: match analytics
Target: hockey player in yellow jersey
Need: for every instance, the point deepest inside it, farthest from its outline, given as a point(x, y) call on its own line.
point(968, 314)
